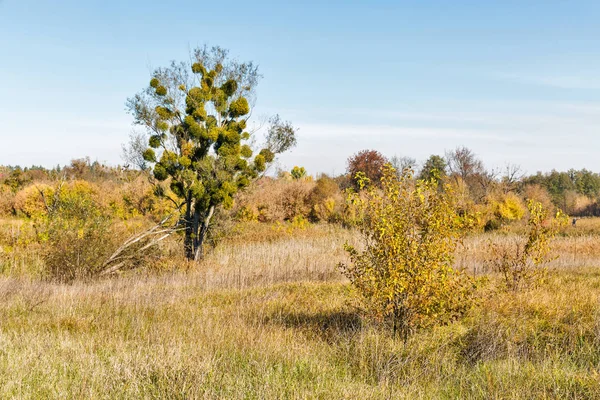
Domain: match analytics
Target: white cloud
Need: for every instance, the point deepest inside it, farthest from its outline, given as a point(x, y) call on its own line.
point(538, 136)
point(51, 139)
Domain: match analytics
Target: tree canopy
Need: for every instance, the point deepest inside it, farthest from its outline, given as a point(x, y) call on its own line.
point(196, 114)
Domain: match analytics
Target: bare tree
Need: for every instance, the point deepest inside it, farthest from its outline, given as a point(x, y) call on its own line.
point(464, 165)
point(463, 162)
point(133, 151)
point(400, 163)
point(512, 175)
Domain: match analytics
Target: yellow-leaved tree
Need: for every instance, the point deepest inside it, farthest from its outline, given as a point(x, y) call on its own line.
point(405, 275)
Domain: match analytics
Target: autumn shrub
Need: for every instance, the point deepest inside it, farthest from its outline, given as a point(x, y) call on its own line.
point(272, 200)
point(577, 204)
point(133, 198)
point(72, 227)
point(540, 194)
point(326, 200)
point(353, 213)
point(503, 209)
point(76, 247)
point(17, 179)
point(7, 199)
point(509, 208)
point(29, 201)
point(522, 262)
point(76, 229)
point(405, 275)
point(293, 200)
point(298, 173)
point(139, 199)
point(461, 195)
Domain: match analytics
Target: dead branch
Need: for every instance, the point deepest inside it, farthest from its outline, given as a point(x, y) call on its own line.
point(146, 239)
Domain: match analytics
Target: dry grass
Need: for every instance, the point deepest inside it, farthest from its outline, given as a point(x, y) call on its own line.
point(168, 337)
point(584, 226)
point(260, 254)
point(272, 318)
point(570, 251)
point(297, 255)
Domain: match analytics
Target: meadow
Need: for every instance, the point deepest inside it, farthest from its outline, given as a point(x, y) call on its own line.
point(268, 315)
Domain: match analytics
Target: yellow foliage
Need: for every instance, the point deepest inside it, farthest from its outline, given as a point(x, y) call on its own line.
point(29, 201)
point(405, 274)
point(299, 222)
point(325, 211)
point(247, 214)
point(509, 208)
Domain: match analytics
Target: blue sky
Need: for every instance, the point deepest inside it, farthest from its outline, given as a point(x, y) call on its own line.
point(516, 81)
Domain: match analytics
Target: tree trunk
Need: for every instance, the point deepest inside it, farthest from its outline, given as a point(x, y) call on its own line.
point(201, 236)
point(195, 230)
point(188, 242)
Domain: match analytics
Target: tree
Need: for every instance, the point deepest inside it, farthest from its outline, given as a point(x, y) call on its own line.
point(587, 183)
point(17, 179)
point(512, 176)
point(298, 172)
point(196, 114)
point(558, 184)
point(405, 273)
point(465, 167)
point(402, 163)
point(434, 168)
point(463, 163)
point(369, 162)
point(133, 151)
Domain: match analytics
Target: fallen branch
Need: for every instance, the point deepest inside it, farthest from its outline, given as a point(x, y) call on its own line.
point(151, 236)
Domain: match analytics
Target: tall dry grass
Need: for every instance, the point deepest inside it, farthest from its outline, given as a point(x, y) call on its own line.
point(267, 315)
point(262, 254)
point(168, 337)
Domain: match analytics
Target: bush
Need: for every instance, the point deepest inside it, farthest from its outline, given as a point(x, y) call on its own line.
point(274, 200)
point(509, 208)
point(134, 198)
point(539, 194)
point(577, 204)
point(77, 246)
point(79, 233)
point(325, 200)
point(74, 229)
point(405, 274)
point(7, 199)
point(503, 209)
point(29, 201)
point(522, 263)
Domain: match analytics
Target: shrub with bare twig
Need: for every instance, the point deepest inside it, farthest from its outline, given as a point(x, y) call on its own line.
point(522, 262)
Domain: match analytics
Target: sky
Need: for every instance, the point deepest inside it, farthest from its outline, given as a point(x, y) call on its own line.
point(518, 82)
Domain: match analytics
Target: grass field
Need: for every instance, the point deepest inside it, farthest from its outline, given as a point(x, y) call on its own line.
point(274, 319)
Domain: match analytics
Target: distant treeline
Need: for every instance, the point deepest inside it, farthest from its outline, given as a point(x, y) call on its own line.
point(576, 192)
